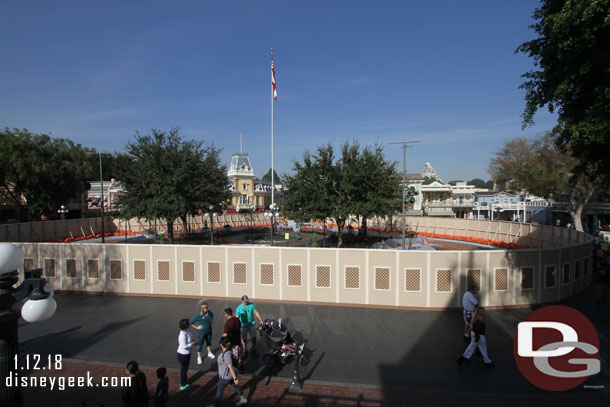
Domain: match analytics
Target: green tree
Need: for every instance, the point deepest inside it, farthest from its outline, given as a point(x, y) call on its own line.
point(541, 168)
point(360, 183)
point(572, 52)
point(46, 171)
point(276, 178)
point(477, 182)
point(165, 177)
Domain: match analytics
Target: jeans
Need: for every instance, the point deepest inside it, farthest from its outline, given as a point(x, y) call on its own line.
point(222, 383)
point(184, 367)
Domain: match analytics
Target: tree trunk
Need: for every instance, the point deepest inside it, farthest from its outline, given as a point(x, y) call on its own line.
point(363, 227)
point(577, 217)
point(185, 225)
point(170, 231)
point(340, 227)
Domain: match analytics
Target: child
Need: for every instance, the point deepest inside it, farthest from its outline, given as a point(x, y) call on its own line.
point(161, 395)
point(477, 339)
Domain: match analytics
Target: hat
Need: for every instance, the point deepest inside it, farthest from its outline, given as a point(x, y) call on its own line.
point(245, 298)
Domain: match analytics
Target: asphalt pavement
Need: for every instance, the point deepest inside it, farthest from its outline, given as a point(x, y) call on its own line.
point(385, 348)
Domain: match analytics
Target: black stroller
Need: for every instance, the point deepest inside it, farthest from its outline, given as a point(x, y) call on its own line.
point(282, 347)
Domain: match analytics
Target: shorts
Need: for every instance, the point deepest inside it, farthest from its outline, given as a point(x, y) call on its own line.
point(248, 329)
point(207, 338)
point(468, 317)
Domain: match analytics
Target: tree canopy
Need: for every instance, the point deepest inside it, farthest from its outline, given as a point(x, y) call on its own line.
point(48, 172)
point(276, 178)
point(541, 168)
point(359, 183)
point(165, 177)
point(572, 52)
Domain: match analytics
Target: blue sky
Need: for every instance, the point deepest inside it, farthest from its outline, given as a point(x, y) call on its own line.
point(439, 71)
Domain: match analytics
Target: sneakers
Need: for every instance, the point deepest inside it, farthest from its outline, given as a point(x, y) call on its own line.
point(242, 402)
point(211, 355)
point(460, 360)
point(186, 386)
point(199, 360)
point(490, 365)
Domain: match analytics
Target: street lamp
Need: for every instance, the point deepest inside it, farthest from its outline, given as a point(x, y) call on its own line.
point(62, 212)
point(39, 306)
point(211, 214)
point(273, 211)
point(404, 184)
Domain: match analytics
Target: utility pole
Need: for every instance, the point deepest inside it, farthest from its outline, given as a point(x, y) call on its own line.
point(404, 184)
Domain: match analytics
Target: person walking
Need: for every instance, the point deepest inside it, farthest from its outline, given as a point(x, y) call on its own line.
point(246, 312)
point(185, 344)
point(477, 339)
point(202, 322)
point(136, 394)
point(469, 304)
point(227, 374)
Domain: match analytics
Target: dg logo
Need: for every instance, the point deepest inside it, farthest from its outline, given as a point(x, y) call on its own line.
point(556, 348)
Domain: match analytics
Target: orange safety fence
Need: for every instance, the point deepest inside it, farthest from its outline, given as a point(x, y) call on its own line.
point(470, 239)
point(132, 233)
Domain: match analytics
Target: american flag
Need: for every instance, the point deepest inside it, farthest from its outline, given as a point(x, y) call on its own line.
point(273, 80)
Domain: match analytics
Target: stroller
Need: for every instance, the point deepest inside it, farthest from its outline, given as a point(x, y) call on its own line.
point(282, 346)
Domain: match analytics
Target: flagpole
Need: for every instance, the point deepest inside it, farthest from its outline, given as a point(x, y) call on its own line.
point(272, 171)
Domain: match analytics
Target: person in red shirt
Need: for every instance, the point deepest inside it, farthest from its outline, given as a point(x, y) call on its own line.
point(232, 331)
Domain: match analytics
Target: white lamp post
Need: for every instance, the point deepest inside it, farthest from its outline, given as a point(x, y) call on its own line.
point(211, 214)
point(273, 211)
point(40, 306)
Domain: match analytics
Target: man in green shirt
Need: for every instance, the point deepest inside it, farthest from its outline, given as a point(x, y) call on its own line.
point(246, 312)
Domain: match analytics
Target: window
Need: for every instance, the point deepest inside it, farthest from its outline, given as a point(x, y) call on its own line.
point(244, 187)
point(49, 268)
point(116, 269)
point(188, 271)
point(71, 268)
point(294, 275)
point(382, 278)
point(352, 277)
point(501, 279)
point(527, 278)
point(214, 272)
point(93, 269)
point(322, 276)
point(266, 276)
point(163, 270)
point(549, 277)
point(412, 280)
point(240, 273)
point(444, 282)
point(473, 278)
point(139, 269)
point(566, 274)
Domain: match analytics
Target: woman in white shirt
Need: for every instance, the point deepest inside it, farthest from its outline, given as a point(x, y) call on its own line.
point(185, 343)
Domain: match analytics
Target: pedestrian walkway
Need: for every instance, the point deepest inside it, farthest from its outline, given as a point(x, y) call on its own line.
point(357, 356)
point(268, 392)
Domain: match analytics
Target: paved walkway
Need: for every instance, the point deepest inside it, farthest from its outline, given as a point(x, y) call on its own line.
point(357, 356)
